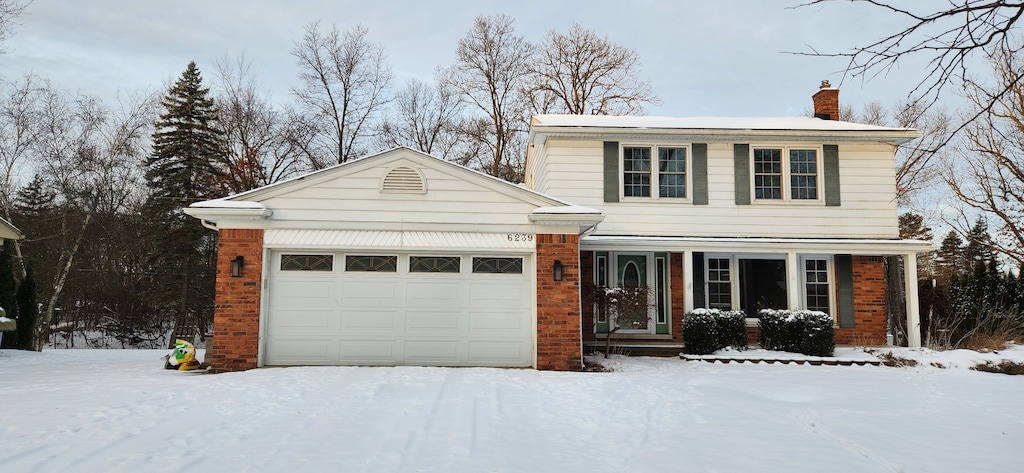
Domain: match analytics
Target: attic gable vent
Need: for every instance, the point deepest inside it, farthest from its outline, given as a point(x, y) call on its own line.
point(403, 179)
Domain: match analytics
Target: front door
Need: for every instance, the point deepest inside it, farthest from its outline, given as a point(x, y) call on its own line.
point(631, 271)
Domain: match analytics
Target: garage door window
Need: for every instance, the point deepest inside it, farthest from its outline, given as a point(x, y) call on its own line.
point(498, 265)
point(435, 264)
point(307, 262)
point(371, 263)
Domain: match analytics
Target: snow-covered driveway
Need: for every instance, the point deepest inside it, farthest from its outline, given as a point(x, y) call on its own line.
point(118, 410)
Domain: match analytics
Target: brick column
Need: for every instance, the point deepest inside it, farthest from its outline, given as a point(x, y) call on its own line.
point(869, 306)
point(236, 317)
point(559, 343)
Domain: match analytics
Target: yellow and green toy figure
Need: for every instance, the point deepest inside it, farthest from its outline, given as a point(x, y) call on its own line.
point(182, 357)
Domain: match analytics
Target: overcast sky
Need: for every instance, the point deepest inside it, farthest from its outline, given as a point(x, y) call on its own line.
point(703, 58)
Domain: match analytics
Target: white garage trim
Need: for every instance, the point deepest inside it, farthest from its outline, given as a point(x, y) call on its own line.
point(398, 317)
point(395, 240)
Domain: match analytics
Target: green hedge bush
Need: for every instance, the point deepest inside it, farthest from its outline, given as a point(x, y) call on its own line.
point(801, 331)
point(708, 330)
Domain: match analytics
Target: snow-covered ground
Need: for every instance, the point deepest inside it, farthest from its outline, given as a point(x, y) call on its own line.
point(118, 410)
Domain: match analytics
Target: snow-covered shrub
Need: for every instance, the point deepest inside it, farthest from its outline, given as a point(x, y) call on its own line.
point(707, 330)
point(700, 332)
point(802, 331)
point(732, 329)
point(818, 335)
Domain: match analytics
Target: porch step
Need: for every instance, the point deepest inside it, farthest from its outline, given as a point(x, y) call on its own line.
point(635, 348)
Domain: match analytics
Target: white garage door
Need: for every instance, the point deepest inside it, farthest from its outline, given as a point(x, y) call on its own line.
point(399, 309)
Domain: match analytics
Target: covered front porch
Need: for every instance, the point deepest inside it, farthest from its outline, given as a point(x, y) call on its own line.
point(844, 278)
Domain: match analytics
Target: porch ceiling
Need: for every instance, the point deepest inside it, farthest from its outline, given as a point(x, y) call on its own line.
point(755, 245)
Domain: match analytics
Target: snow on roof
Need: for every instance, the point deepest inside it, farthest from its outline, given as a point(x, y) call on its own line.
point(705, 123)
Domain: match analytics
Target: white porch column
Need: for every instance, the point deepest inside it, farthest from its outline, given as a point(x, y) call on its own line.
point(913, 308)
point(793, 289)
point(688, 302)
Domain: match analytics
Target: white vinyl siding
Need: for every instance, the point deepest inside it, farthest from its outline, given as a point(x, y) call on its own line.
point(867, 177)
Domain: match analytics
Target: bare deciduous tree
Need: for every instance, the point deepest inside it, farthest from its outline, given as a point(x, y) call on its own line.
point(989, 174)
point(92, 156)
point(262, 144)
point(344, 84)
point(425, 117)
point(913, 169)
point(492, 63)
point(949, 39)
point(581, 73)
point(9, 10)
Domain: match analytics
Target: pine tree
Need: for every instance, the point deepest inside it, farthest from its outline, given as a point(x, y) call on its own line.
point(979, 243)
point(949, 261)
point(28, 310)
point(188, 150)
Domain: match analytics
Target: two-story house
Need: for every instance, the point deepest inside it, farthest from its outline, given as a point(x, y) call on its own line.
point(403, 258)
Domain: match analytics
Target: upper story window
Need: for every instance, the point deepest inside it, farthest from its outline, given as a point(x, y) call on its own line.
point(640, 178)
point(786, 174)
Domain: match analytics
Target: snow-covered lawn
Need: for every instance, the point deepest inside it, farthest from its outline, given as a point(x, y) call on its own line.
point(118, 410)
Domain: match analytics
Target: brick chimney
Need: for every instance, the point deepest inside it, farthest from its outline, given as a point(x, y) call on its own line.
point(826, 102)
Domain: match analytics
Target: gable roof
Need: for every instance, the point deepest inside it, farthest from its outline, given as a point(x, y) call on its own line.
point(733, 128)
point(382, 158)
point(261, 203)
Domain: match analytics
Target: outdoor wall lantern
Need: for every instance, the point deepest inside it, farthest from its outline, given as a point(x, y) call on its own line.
point(236, 266)
point(558, 270)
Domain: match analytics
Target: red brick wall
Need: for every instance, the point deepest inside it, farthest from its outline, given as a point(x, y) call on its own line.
point(678, 294)
point(236, 318)
point(869, 305)
point(559, 342)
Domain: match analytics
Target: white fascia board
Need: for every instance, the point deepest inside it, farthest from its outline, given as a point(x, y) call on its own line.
point(584, 217)
point(757, 245)
point(895, 136)
point(222, 209)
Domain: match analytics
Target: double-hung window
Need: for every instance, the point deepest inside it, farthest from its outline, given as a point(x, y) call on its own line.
point(786, 174)
point(658, 172)
point(817, 295)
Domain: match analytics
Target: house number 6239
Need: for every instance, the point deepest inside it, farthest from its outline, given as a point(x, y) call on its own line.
point(520, 237)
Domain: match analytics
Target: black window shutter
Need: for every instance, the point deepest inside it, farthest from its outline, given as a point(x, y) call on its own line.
point(699, 299)
point(844, 279)
point(741, 156)
point(831, 175)
point(700, 173)
point(611, 171)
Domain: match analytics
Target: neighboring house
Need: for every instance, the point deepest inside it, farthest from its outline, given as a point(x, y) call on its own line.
point(8, 232)
point(402, 258)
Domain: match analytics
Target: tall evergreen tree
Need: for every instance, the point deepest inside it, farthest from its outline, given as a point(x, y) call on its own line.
point(188, 150)
point(950, 261)
point(979, 244)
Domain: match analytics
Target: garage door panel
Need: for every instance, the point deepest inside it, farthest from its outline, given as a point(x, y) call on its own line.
point(425, 321)
point(433, 352)
point(434, 294)
point(380, 351)
point(302, 320)
point(305, 292)
point(498, 294)
point(306, 351)
point(499, 353)
point(502, 321)
point(382, 292)
point(370, 319)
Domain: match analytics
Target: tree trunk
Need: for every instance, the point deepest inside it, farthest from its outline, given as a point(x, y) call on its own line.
point(38, 334)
